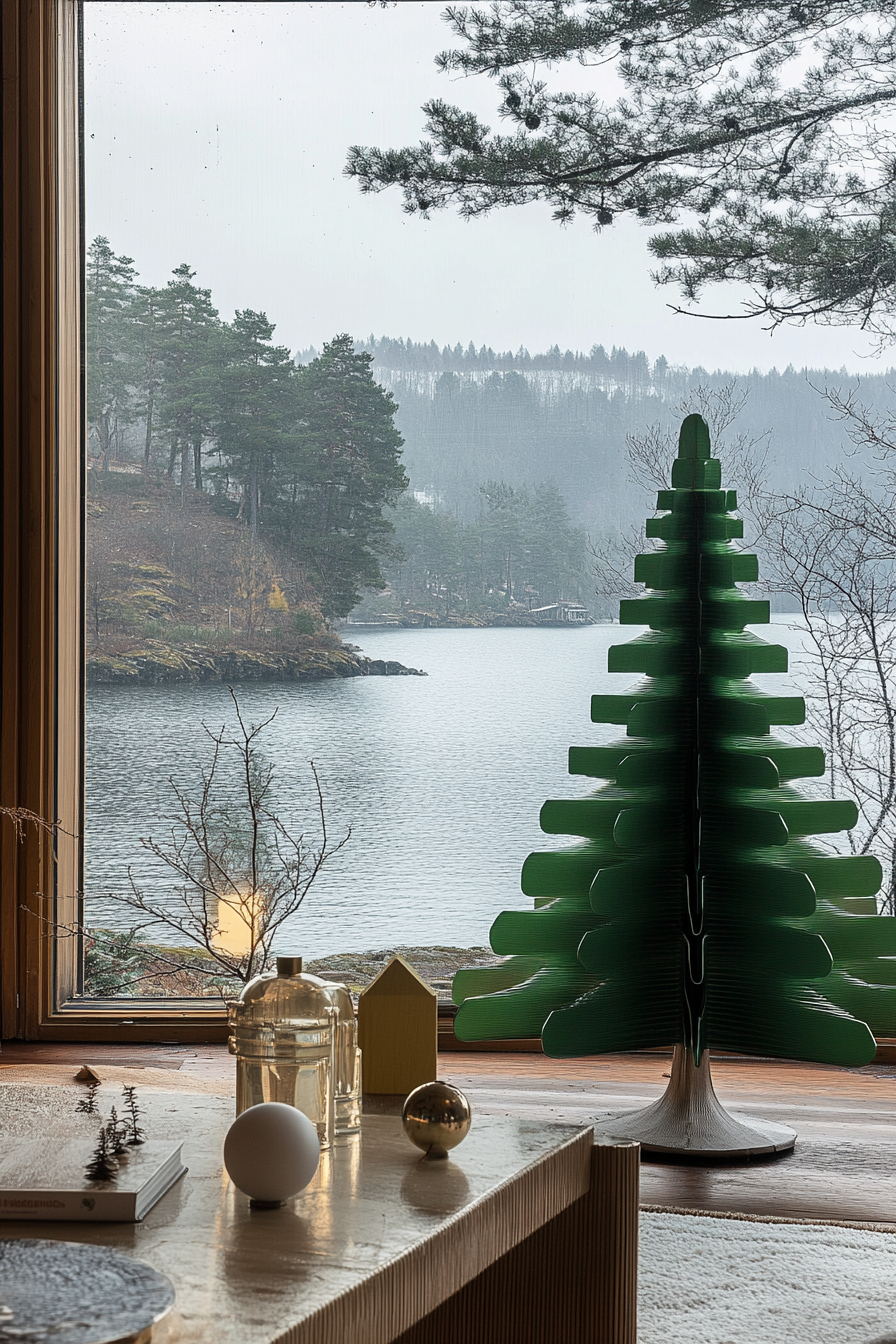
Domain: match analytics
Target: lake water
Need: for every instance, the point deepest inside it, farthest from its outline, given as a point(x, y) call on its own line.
point(440, 777)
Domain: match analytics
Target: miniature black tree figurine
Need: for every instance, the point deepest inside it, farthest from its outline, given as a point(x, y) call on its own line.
point(132, 1116)
point(116, 1132)
point(88, 1104)
point(102, 1165)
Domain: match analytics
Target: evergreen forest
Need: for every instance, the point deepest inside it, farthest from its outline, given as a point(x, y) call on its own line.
point(272, 492)
point(305, 456)
point(471, 414)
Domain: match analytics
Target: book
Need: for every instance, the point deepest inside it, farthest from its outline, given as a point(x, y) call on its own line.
point(44, 1178)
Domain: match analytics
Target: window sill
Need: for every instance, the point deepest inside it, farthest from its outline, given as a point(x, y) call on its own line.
point(156, 1021)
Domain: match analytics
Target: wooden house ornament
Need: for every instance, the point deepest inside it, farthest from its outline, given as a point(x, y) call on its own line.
point(398, 1030)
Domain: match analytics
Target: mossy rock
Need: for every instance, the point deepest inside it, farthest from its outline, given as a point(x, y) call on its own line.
point(105, 670)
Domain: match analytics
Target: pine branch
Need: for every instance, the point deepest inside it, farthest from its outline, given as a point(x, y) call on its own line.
point(789, 175)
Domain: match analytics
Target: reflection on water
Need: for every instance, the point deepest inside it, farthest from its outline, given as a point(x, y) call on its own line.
point(440, 777)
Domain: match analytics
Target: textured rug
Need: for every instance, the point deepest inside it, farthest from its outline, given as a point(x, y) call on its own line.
point(705, 1280)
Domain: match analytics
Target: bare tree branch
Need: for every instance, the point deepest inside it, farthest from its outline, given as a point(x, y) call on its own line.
point(242, 873)
point(833, 548)
point(650, 457)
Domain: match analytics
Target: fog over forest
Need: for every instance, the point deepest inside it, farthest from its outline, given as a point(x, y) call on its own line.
point(469, 415)
point(459, 479)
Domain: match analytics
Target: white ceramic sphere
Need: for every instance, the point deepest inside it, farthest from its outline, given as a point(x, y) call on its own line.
point(271, 1152)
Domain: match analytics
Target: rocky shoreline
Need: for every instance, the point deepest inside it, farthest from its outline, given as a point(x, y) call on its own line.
point(432, 620)
point(157, 664)
point(121, 964)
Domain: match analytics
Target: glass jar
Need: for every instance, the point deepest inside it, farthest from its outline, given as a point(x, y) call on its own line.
point(348, 1063)
point(283, 1031)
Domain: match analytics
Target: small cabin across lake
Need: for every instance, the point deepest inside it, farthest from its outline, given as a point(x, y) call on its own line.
point(561, 613)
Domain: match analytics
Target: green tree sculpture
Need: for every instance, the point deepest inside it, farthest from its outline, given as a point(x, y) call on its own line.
point(694, 912)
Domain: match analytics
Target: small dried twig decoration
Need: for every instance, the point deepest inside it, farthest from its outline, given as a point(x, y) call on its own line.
point(102, 1165)
point(23, 816)
point(116, 1132)
point(132, 1116)
point(88, 1104)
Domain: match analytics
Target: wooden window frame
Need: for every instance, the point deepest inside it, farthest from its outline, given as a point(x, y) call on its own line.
point(41, 554)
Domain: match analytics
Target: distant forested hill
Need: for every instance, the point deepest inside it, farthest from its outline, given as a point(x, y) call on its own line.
point(469, 414)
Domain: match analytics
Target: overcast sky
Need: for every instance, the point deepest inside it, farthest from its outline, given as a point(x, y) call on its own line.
point(216, 134)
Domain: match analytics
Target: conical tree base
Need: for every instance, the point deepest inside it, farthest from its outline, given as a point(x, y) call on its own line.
point(689, 1121)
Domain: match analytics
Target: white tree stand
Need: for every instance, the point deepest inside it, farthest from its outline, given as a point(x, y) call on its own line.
point(690, 1121)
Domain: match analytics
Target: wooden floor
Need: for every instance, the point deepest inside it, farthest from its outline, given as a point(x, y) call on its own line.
point(843, 1167)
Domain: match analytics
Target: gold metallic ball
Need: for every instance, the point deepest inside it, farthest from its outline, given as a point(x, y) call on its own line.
point(436, 1117)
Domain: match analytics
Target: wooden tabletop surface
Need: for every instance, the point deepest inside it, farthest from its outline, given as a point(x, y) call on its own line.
point(843, 1166)
point(378, 1239)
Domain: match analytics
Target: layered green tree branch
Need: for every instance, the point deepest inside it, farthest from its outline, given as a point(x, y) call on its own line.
point(693, 908)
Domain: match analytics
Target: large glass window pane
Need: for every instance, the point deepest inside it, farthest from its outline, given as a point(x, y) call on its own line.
point(224, 251)
point(260, 339)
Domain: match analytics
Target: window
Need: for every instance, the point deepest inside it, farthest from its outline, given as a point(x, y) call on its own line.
point(41, 713)
point(43, 632)
point(41, 400)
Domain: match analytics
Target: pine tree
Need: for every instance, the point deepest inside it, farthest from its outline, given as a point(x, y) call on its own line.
point(504, 530)
point(693, 912)
point(146, 340)
point(102, 1165)
point(345, 468)
point(88, 1104)
point(746, 117)
point(559, 560)
point(185, 330)
point(109, 294)
point(116, 1134)
point(133, 1115)
point(256, 409)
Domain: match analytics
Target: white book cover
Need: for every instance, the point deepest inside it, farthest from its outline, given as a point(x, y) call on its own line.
point(45, 1178)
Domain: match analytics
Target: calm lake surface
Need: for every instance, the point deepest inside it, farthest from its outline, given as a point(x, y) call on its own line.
point(441, 778)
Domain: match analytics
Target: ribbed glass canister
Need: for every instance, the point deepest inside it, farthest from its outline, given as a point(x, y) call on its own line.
point(283, 1030)
point(348, 1063)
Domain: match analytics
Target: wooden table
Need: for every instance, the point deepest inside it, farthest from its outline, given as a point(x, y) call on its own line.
point(527, 1234)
